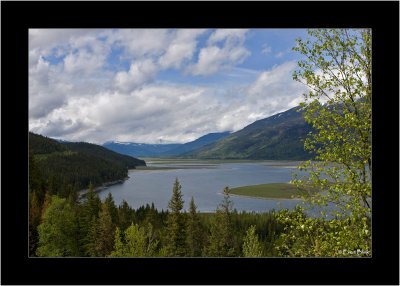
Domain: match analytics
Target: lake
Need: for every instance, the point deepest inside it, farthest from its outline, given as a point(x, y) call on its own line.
point(205, 181)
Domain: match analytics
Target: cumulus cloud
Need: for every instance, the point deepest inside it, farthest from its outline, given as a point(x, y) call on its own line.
point(181, 48)
point(72, 95)
point(214, 57)
point(141, 42)
point(139, 73)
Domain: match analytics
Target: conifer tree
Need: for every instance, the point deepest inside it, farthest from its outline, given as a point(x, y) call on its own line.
point(221, 242)
point(88, 215)
point(124, 215)
point(194, 232)
point(112, 208)
point(251, 244)
point(34, 221)
point(176, 224)
point(105, 232)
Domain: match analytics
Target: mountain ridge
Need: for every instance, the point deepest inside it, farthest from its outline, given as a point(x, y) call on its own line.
point(278, 137)
point(162, 150)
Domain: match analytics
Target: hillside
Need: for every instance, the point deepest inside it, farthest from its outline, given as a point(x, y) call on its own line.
point(104, 153)
point(139, 149)
point(193, 145)
point(162, 150)
point(68, 167)
point(279, 137)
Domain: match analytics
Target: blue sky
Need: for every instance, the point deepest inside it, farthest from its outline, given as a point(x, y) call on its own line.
point(141, 85)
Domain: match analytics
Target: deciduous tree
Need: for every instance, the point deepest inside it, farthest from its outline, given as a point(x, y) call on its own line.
point(251, 244)
point(58, 231)
point(336, 67)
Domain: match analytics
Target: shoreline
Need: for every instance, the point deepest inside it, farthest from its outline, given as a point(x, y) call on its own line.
point(83, 193)
point(263, 198)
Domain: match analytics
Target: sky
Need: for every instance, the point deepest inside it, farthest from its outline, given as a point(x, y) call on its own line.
point(158, 85)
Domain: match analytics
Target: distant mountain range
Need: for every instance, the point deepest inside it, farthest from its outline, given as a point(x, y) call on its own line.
point(278, 137)
point(163, 150)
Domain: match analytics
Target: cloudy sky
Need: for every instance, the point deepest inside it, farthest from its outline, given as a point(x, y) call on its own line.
point(152, 86)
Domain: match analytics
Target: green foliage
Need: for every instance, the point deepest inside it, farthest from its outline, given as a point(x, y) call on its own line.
point(194, 231)
point(138, 242)
point(251, 245)
point(125, 215)
point(337, 69)
point(317, 237)
point(64, 169)
point(101, 234)
point(124, 161)
point(272, 190)
point(58, 231)
point(96, 236)
point(112, 208)
point(278, 137)
point(176, 231)
point(221, 243)
point(35, 215)
point(88, 216)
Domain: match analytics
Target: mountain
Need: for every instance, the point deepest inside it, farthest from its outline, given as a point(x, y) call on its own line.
point(198, 143)
point(104, 153)
point(279, 137)
point(67, 167)
point(140, 149)
point(163, 150)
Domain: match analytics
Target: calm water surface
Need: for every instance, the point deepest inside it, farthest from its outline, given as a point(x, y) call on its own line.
point(205, 182)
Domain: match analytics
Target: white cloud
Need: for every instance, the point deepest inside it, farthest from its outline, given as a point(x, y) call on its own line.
point(181, 48)
point(76, 98)
point(266, 49)
point(213, 58)
point(232, 36)
point(139, 73)
point(141, 42)
point(279, 55)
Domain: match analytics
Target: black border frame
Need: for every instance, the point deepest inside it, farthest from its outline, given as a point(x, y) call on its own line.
point(382, 17)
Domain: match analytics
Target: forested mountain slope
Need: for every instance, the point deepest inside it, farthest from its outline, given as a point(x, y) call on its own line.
point(64, 168)
point(279, 137)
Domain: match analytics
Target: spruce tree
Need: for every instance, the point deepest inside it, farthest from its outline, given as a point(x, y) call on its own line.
point(194, 232)
point(88, 215)
point(221, 242)
point(105, 232)
point(112, 208)
point(124, 215)
point(176, 224)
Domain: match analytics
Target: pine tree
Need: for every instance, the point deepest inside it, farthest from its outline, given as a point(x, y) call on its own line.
point(176, 224)
point(194, 232)
point(221, 242)
point(251, 245)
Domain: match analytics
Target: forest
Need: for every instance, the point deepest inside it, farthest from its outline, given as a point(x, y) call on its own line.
point(336, 67)
point(66, 168)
